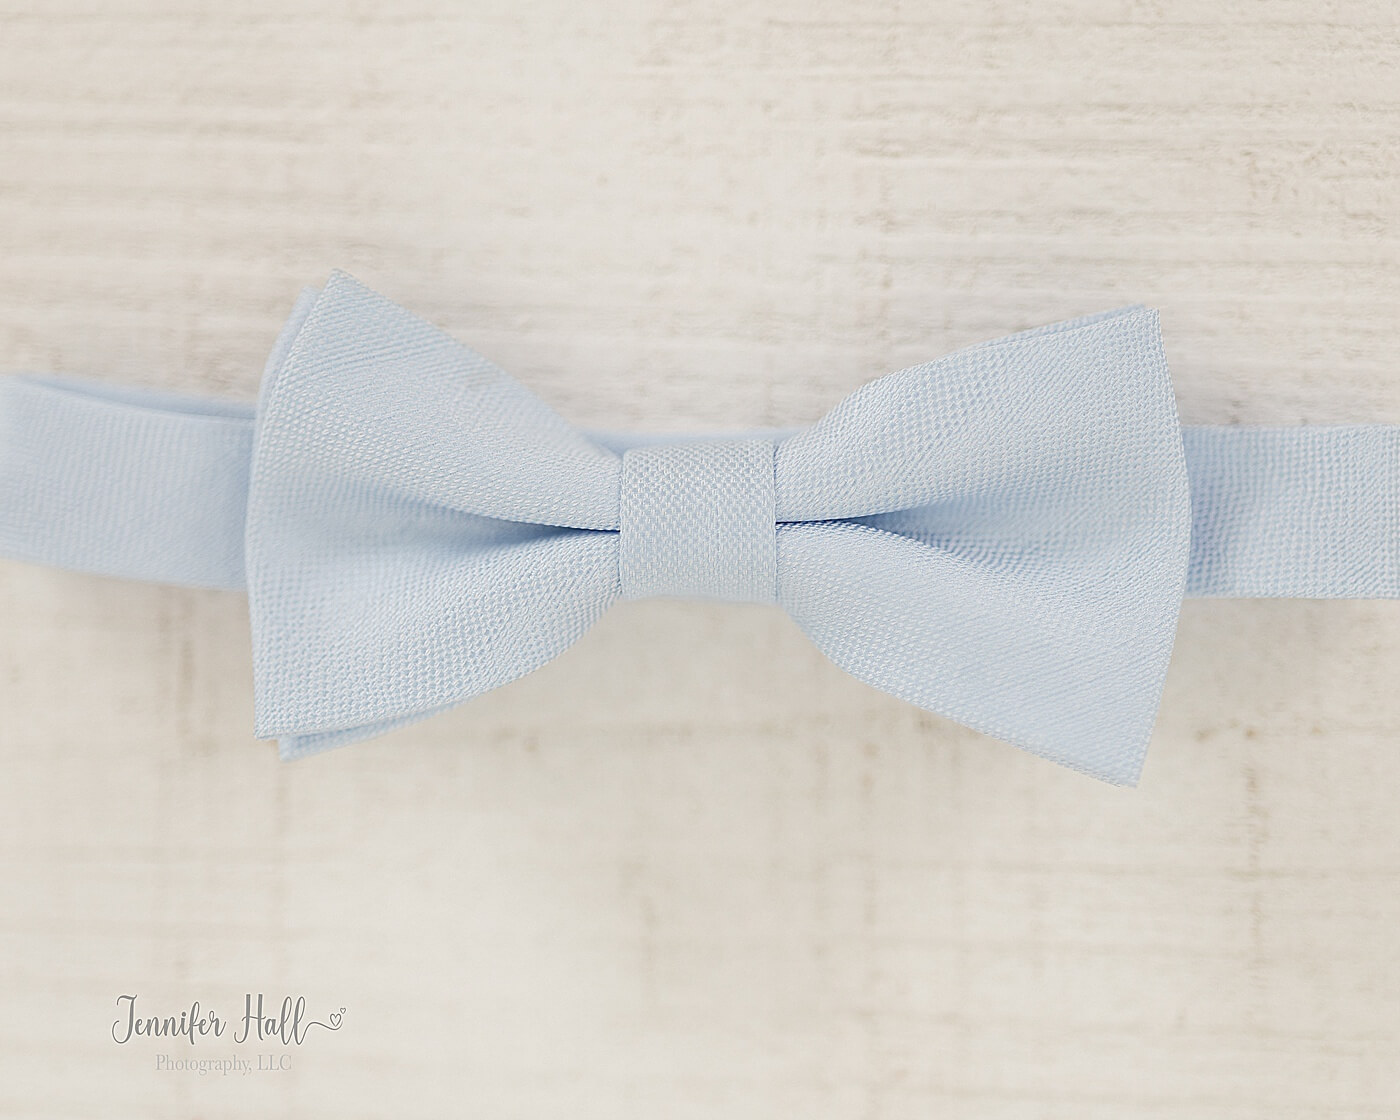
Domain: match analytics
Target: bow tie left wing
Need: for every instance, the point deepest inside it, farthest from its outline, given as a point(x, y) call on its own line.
point(420, 527)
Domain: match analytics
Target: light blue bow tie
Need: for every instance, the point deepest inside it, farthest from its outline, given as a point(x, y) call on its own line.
point(1003, 536)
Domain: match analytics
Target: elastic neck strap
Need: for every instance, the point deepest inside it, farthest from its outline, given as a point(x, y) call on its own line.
point(153, 486)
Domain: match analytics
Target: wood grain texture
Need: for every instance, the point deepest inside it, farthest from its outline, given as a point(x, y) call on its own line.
point(690, 869)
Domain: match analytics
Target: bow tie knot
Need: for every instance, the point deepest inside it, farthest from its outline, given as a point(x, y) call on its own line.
point(696, 520)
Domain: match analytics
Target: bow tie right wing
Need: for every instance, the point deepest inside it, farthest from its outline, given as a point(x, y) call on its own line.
point(1001, 536)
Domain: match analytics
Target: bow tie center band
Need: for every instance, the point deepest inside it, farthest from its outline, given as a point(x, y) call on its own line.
point(1003, 536)
point(699, 521)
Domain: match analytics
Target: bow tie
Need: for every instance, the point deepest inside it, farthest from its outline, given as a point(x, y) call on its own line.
point(1000, 536)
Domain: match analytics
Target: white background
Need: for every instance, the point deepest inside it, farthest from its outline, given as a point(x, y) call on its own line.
point(691, 869)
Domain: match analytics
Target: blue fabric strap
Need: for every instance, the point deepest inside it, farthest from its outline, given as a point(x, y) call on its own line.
point(153, 486)
point(123, 482)
point(129, 482)
point(1295, 513)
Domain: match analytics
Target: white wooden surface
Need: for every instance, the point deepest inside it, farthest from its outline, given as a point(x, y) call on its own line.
point(690, 869)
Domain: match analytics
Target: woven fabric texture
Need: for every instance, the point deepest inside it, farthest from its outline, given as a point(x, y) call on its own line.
point(697, 520)
point(1002, 536)
point(1295, 512)
point(421, 529)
